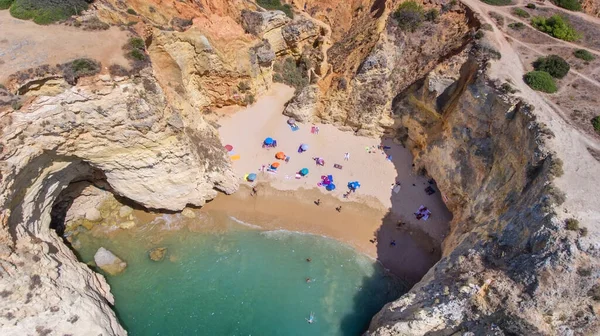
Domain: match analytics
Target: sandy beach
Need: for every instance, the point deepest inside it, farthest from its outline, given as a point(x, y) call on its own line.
point(374, 211)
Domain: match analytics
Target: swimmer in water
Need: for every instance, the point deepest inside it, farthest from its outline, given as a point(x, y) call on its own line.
point(311, 318)
point(308, 280)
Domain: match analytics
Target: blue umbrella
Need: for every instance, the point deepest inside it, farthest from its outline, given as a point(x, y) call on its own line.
point(330, 187)
point(251, 177)
point(268, 141)
point(304, 147)
point(304, 171)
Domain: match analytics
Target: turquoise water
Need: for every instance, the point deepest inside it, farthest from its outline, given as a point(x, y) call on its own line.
point(243, 282)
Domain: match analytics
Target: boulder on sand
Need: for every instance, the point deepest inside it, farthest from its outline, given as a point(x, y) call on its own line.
point(157, 253)
point(109, 262)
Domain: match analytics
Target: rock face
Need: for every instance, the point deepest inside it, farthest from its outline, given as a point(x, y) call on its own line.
point(109, 262)
point(507, 252)
point(124, 132)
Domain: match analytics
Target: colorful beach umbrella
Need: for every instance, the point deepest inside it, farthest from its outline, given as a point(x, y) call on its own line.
point(304, 171)
point(304, 147)
point(268, 141)
point(330, 187)
point(275, 165)
point(229, 148)
point(280, 155)
point(251, 177)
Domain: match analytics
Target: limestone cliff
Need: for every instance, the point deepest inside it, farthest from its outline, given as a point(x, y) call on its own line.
point(159, 153)
point(508, 256)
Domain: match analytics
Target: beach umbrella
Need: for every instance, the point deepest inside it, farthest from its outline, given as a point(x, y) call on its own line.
point(280, 155)
point(291, 121)
point(251, 177)
point(268, 141)
point(330, 187)
point(304, 171)
point(304, 147)
point(275, 165)
point(229, 148)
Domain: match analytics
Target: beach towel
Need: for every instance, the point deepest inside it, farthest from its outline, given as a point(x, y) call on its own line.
point(235, 157)
point(313, 130)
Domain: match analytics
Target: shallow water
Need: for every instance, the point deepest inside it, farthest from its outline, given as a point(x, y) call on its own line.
point(240, 281)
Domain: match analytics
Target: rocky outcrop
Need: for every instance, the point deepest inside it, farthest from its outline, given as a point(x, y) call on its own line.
point(509, 266)
point(122, 132)
point(157, 253)
point(109, 262)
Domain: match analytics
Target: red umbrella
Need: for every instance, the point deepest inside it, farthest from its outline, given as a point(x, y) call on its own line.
point(229, 148)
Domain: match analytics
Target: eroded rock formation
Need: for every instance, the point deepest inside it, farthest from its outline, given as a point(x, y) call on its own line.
point(121, 130)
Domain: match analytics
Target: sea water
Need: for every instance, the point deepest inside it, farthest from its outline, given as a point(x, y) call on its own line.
point(242, 281)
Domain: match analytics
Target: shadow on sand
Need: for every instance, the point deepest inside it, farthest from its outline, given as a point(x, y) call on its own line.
point(406, 247)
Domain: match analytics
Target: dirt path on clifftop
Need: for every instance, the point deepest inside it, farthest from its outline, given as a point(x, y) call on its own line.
point(24, 45)
point(572, 145)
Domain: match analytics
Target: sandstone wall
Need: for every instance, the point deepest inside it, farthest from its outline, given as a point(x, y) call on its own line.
point(159, 153)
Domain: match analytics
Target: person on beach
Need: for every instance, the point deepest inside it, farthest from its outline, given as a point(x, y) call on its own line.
point(393, 243)
point(318, 201)
point(254, 191)
point(346, 156)
point(339, 209)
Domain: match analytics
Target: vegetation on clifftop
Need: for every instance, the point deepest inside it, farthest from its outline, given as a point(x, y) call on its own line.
point(540, 81)
point(584, 55)
point(45, 11)
point(573, 5)
point(596, 124)
point(555, 65)
point(556, 26)
point(498, 2)
point(5, 4)
point(276, 5)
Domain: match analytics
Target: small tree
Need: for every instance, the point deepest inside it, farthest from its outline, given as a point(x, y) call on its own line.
point(540, 81)
point(555, 65)
point(409, 15)
point(572, 224)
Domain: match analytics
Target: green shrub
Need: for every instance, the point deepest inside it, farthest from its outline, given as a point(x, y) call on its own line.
point(409, 15)
point(583, 231)
point(131, 11)
point(555, 65)
point(249, 99)
point(137, 43)
point(46, 11)
point(521, 13)
point(531, 6)
point(596, 124)
point(243, 86)
point(290, 73)
point(16, 105)
point(5, 4)
point(540, 81)
point(516, 25)
point(78, 68)
point(276, 5)
point(479, 34)
point(572, 224)
point(556, 26)
point(487, 26)
point(432, 15)
point(498, 2)
point(584, 55)
point(137, 54)
point(573, 5)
